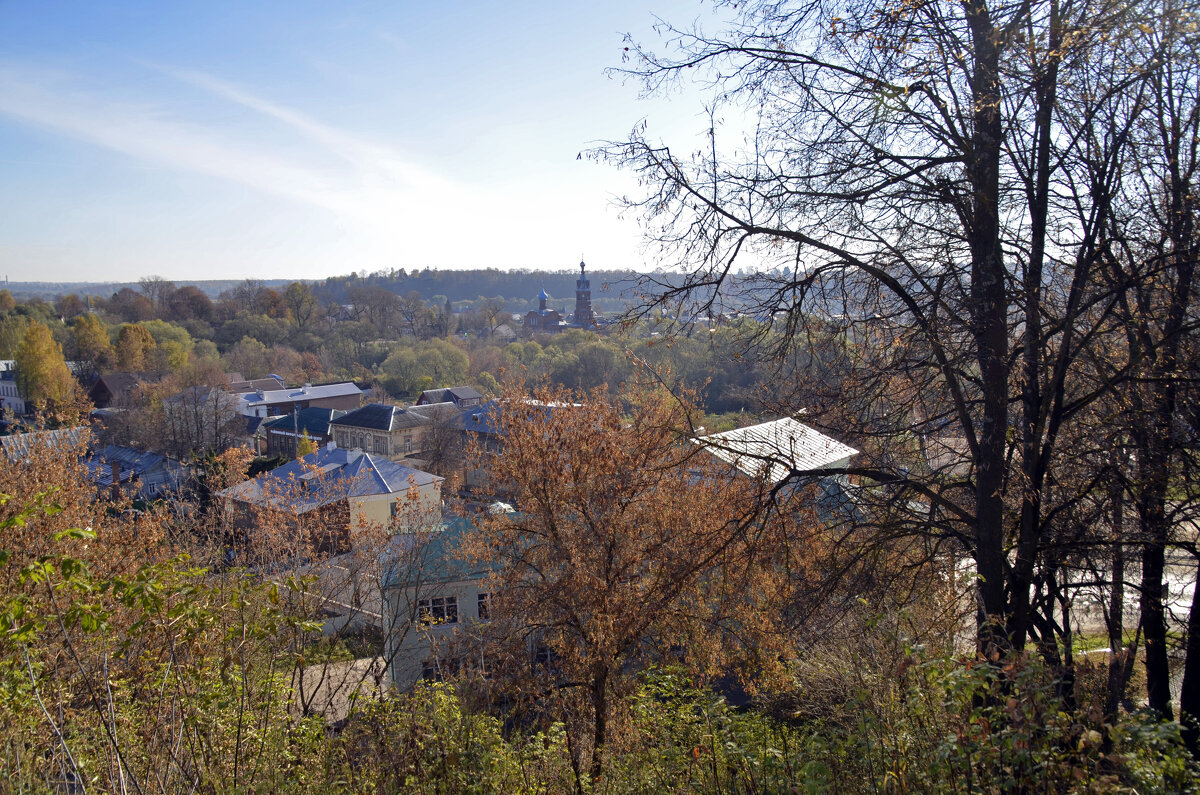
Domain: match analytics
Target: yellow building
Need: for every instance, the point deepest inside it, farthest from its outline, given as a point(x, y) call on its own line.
point(351, 492)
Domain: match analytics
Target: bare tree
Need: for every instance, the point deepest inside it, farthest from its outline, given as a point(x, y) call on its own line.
point(910, 173)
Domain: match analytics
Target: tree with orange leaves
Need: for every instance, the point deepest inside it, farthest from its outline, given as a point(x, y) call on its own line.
point(629, 546)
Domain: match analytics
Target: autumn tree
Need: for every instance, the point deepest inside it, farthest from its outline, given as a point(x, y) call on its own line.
point(413, 315)
point(300, 303)
point(12, 331)
point(130, 306)
point(190, 303)
point(629, 544)
point(69, 306)
point(158, 291)
point(92, 345)
point(248, 357)
point(305, 445)
point(1151, 251)
point(135, 348)
point(42, 375)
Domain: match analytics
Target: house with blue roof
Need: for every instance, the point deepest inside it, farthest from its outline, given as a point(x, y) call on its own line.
point(118, 471)
point(336, 495)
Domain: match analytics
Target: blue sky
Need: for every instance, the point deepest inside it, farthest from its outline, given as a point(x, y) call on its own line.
point(303, 139)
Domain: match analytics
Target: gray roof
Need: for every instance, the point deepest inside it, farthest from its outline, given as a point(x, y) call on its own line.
point(453, 394)
point(240, 384)
point(384, 417)
point(326, 476)
point(20, 446)
point(268, 396)
point(776, 449)
point(483, 419)
point(157, 473)
point(313, 420)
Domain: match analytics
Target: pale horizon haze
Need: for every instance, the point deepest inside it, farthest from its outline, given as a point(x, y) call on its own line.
point(301, 140)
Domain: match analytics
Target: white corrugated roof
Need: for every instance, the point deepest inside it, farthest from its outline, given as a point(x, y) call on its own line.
point(778, 448)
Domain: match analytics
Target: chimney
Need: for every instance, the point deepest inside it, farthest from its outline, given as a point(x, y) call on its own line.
point(307, 386)
point(115, 469)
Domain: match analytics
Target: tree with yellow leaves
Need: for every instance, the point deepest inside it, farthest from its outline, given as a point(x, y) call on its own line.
point(134, 346)
point(305, 445)
point(42, 374)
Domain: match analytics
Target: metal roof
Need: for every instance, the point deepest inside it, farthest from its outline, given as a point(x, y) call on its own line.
point(778, 448)
point(268, 396)
point(384, 417)
point(483, 419)
point(314, 420)
point(453, 394)
point(413, 558)
point(328, 475)
point(156, 472)
point(21, 446)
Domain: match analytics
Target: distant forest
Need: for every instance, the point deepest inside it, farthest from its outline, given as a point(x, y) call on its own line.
point(611, 289)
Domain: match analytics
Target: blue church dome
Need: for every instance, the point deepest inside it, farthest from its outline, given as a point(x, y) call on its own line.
point(543, 295)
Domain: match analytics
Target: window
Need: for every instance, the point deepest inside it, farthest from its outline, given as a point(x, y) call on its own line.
point(407, 444)
point(381, 445)
point(544, 656)
point(484, 606)
point(437, 670)
point(438, 610)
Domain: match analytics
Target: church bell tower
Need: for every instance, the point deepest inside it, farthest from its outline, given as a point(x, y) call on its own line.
point(583, 300)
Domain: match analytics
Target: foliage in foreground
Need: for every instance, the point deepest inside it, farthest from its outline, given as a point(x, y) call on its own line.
point(166, 677)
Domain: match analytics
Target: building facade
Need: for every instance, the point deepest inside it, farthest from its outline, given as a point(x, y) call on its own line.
point(281, 435)
point(396, 432)
point(343, 395)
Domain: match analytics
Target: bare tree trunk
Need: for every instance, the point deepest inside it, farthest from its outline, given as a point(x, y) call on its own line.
point(600, 727)
point(1116, 609)
point(1033, 399)
point(989, 329)
point(1154, 624)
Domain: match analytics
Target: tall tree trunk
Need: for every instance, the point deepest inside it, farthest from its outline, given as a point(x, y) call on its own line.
point(600, 727)
point(989, 328)
point(1033, 454)
point(1116, 607)
point(1152, 601)
point(1179, 251)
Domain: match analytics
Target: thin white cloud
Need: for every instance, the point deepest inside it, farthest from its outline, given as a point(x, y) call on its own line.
point(366, 155)
point(374, 189)
point(389, 209)
point(147, 133)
